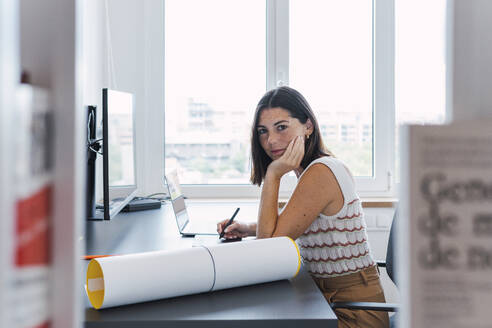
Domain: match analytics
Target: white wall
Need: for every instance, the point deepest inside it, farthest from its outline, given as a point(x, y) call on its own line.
point(9, 73)
point(124, 50)
point(470, 59)
point(378, 225)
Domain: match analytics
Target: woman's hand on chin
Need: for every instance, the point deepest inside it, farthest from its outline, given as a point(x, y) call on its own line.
point(290, 159)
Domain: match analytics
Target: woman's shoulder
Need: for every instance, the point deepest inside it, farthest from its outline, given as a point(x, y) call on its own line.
point(336, 166)
point(329, 161)
point(320, 164)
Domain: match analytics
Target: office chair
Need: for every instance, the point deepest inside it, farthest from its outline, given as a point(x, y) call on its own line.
point(389, 265)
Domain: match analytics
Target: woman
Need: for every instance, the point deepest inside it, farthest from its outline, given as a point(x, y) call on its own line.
point(324, 214)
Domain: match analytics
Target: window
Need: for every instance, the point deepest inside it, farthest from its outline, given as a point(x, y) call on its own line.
point(214, 75)
point(420, 64)
point(221, 56)
point(334, 71)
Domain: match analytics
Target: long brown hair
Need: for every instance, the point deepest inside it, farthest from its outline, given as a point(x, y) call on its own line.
point(298, 107)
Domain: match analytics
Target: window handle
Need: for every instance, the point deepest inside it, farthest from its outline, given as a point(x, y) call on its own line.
point(390, 181)
point(281, 79)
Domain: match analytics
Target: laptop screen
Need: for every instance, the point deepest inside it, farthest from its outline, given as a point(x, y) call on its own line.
point(177, 199)
point(173, 185)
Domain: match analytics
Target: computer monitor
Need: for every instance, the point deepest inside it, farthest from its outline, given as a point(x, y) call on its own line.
point(118, 150)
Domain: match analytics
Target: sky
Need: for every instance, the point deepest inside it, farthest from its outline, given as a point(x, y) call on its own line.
point(215, 53)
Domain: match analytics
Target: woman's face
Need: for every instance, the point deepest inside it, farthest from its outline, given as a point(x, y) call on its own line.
point(276, 128)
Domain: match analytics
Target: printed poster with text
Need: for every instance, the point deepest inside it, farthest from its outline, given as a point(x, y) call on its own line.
point(446, 225)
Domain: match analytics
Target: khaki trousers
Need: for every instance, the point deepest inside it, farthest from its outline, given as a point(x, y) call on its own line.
point(362, 286)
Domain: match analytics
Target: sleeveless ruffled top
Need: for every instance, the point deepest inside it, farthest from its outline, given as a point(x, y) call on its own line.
point(337, 245)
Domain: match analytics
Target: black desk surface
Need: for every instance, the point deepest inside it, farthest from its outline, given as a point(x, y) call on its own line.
point(288, 303)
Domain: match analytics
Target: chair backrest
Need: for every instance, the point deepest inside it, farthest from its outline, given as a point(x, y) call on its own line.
point(390, 252)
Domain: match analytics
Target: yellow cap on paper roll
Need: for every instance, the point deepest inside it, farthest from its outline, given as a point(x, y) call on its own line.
point(298, 256)
point(95, 284)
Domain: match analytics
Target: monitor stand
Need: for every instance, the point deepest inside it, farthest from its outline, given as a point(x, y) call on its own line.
point(98, 215)
point(92, 150)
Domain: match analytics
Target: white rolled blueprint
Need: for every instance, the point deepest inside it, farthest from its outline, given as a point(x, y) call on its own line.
point(119, 280)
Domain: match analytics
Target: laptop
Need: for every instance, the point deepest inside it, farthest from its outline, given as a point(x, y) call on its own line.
point(187, 226)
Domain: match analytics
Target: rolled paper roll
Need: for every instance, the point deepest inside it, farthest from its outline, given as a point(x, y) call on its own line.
point(255, 262)
point(127, 279)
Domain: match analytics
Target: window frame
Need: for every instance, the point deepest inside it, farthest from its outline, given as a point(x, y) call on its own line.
point(277, 73)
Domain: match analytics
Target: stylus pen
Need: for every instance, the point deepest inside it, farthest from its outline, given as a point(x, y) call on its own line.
point(228, 223)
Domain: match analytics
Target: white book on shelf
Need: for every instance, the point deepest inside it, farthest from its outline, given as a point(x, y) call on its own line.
point(31, 265)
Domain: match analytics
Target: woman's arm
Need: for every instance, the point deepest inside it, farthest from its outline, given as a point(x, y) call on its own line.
point(268, 213)
point(317, 190)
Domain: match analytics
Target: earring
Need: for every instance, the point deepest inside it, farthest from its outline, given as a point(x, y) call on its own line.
point(307, 136)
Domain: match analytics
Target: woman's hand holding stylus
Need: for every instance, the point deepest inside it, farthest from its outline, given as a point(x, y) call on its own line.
point(236, 229)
